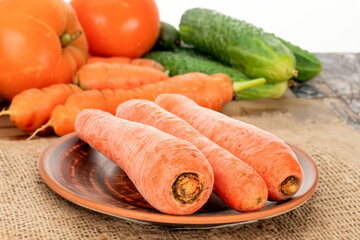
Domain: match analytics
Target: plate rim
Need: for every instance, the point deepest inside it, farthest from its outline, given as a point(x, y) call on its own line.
point(161, 218)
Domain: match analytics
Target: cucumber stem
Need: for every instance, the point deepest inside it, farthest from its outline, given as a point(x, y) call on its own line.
point(239, 86)
point(67, 38)
point(295, 73)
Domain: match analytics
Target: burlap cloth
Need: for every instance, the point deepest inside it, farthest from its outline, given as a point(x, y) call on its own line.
point(30, 210)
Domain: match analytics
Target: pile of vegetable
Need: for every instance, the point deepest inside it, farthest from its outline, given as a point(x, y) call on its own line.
point(128, 83)
point(130, 50)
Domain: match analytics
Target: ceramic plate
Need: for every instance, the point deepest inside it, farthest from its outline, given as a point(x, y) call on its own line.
point(85, 177)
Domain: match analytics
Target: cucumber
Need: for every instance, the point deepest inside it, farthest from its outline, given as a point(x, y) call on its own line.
point(185, 61)
point(307, 64)
point(169, 37)
point(237, 43)
point(189, 60)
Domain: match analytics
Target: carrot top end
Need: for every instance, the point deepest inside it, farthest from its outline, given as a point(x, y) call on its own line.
point(187, 188)
point(290, 185)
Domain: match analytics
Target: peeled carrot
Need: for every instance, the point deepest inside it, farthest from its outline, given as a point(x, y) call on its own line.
point(101, 75)
point(32, 108)
point(271, 157)
point(144, 62)
point(170, 173)
point(235, 182)
point(208, 91)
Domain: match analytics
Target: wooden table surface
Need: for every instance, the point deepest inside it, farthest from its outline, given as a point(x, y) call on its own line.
point(338, 85)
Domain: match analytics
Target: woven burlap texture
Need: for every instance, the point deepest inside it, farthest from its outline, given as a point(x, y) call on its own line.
point(31, 210)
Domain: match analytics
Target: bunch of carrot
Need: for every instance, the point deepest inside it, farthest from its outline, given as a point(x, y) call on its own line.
point(32, 108)
point(170, 173)
point(104, 83)
point(174, 151)
point(208, 91)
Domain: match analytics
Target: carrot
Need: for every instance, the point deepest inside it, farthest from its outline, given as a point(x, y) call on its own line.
point(32, 108)
point(144, 62)
point(208, 91)
point(170, 173)
point(101, 75)
point(235, 182)
point(271, 157)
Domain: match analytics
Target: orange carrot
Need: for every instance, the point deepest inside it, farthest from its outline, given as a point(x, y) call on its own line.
point(271, 157)
point(144, 62)
point(170, 173)
point(235, 182)
point(207, 91)
point(31, 108)
point(101, 75)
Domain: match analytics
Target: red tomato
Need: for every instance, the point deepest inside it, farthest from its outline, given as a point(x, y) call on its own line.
point(119, 27)
point(31, 51)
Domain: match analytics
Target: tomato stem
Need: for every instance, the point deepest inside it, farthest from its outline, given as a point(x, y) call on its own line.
point(67, 38)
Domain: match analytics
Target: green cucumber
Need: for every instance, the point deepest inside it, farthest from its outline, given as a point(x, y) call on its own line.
point(237, 43)
point(185, 61)
point(307, 64)
point(188, 60)
point(169, 37)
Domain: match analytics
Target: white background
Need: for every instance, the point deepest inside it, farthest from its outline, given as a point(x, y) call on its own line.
point(316, 25)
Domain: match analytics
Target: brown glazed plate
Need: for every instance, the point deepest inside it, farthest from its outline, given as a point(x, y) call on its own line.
point(85, 177)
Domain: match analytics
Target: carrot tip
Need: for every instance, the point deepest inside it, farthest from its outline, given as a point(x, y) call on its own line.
point(43, 127)
point(290, 185)
point(4, 112)
point(187, 188)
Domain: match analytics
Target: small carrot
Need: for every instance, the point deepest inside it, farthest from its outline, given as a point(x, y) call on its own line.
point(32, 108)
point(235, 182)
point(101, 75)
point(170, 173)
point(208, 91)
point(144, 62)
point(271, 157)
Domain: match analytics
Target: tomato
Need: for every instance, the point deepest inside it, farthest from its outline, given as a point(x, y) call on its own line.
point(119, 27)
point(40, 44)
